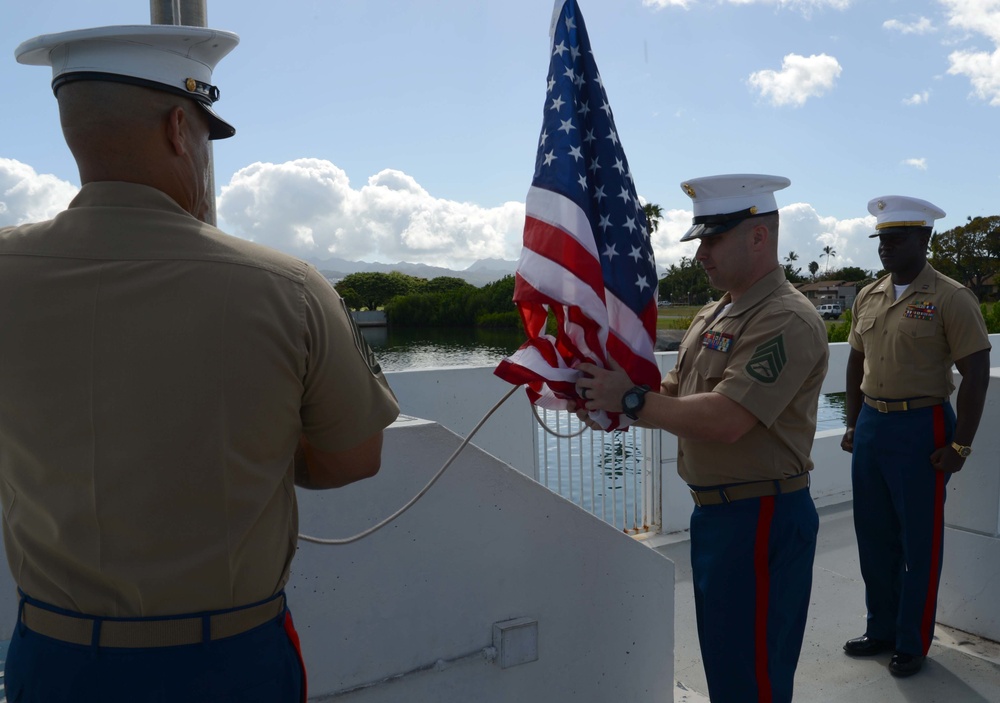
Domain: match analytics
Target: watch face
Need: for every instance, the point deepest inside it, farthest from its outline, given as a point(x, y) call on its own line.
point(633, 400)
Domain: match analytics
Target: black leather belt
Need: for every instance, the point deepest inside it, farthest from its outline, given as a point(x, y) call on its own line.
point(757, 489)
point(142, 633)
point(895, 406)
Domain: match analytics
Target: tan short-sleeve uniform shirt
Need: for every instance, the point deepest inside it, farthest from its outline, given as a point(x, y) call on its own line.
point(157, 375)
point(768, 353)
point(911, 343)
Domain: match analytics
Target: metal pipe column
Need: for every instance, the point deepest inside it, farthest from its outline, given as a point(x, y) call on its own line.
point(191, 13)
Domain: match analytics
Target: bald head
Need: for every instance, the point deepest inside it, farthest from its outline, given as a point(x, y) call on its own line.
point(113, 129)
point(122, 132)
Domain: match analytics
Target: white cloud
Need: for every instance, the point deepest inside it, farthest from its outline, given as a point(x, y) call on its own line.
point(806, 232)
point(919, 164)
point(982, 68)
point(667, 247)
point(918, 98)
point(804, 6)
point(921, 25)
point(802, 230)
point(979, 16)
point(983, 71)
point(799, 79)
point(28, 196)
point(308, 207)
point(801, 5)
point(661, 4)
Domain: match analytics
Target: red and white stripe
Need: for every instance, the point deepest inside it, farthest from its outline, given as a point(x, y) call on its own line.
point(560, 270)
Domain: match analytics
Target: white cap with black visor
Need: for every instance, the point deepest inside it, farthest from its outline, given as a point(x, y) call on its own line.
point(171, 58)
point(722, 202)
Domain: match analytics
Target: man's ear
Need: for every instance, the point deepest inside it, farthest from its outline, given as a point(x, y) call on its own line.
point(759, 236)
point(176, 130)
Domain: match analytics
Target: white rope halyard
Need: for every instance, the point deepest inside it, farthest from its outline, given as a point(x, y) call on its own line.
point(418, 496)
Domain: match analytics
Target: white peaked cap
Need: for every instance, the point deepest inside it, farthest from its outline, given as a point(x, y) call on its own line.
point(722, 202)
point(177, 59)
point(902, 211)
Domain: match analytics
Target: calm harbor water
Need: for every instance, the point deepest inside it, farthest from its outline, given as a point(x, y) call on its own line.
point(409, 348)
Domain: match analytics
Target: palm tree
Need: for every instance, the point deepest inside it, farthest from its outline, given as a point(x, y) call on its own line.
point(828, 252)
point(654, 213)
point(813, 268)
point(791, 273)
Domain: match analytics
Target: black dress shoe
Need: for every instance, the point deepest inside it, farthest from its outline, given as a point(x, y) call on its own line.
point(866, 646)
point(905, 664)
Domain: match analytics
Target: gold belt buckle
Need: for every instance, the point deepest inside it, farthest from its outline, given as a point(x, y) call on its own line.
point(881, 406)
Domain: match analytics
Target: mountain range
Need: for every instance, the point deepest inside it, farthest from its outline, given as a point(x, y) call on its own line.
point(478, 274)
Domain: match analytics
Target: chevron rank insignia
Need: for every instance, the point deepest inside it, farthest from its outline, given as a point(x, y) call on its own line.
point(767, 361)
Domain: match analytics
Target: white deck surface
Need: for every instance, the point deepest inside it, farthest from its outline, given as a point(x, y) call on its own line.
point(960, 668)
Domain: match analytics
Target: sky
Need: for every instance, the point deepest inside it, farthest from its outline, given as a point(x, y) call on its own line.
point(406, 130)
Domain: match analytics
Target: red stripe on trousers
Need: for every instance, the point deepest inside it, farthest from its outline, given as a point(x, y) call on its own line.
point(930, 605)
point(763, 579)
point(294, 637)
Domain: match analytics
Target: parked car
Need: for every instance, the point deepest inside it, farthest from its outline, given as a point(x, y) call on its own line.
point(829, 311)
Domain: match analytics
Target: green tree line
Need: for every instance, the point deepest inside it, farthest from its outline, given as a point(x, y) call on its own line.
point(445, 301)
point(969, 253)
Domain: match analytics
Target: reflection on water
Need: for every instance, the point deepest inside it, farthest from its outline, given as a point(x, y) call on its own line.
point(406, 348)
point(602, 472)
point(832, 411)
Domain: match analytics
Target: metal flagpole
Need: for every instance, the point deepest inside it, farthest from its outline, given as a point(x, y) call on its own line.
point(192, 13)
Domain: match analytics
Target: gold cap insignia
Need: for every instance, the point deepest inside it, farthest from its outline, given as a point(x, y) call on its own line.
point(688, 189)
point(880, 205)
point(191, 84)
point(753, 209)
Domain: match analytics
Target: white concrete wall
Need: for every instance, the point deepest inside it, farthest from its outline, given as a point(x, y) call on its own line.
point(484, 545)
point(369, 318)
point(973, 502)
point(458, 398)
point(969, 596)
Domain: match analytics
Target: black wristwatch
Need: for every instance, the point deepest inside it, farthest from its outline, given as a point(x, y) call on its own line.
point(633, 400)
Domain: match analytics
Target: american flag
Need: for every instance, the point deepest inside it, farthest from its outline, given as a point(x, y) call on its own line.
point(587, 255)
